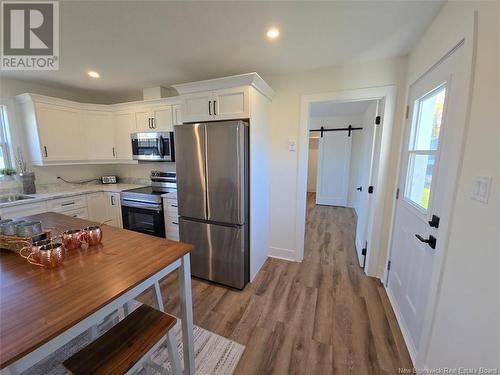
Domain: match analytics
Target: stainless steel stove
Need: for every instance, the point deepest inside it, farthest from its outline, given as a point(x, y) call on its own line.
point(142, 208)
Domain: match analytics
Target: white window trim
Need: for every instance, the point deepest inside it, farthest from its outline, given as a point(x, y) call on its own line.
point(5, 143)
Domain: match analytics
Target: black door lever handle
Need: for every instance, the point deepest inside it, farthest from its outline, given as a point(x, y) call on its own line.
point(359, 188)
point(431, 241)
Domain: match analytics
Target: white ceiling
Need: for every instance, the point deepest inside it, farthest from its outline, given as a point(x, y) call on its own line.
point(330, 109)
point(135, 44)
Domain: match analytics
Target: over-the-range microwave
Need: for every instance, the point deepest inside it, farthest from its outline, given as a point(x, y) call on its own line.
point(153, 146)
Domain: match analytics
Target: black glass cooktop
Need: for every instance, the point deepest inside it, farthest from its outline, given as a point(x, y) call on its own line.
point(144, 190)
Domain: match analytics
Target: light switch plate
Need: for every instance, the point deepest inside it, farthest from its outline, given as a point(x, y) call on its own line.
point(292, 145)
point(481, 188)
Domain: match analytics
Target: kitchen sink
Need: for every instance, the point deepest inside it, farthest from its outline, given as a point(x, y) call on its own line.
point(14, 198)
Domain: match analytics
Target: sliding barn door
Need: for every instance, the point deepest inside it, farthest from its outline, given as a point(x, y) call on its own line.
point(334, 159)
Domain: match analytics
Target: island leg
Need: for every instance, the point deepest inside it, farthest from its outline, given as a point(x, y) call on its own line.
point(187, 315)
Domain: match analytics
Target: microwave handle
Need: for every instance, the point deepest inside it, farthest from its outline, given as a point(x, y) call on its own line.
point(160, 146)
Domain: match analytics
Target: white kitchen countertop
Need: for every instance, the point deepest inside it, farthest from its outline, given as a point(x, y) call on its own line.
point(79, 190)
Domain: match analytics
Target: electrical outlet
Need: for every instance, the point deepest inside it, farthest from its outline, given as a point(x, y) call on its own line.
point(481, 188)
point(292, 145)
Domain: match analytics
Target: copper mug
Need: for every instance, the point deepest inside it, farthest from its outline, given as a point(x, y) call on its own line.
point(72, 239)
point(51, 255)
point(92, 235)
point(35, 249)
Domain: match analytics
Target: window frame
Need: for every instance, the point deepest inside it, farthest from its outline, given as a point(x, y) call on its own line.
point(413, 151)
point(5, 144)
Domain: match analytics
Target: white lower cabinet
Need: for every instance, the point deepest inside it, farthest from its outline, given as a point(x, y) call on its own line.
point(80, 213)
point(171, 215)
point(114, 209)
point(97, 207)
point(104, 207)
point(22, 210)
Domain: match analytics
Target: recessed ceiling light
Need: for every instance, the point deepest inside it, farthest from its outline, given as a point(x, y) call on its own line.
point(273, 33)
point(93, 74)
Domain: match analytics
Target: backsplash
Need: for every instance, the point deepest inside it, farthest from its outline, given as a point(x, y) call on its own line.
point(46, 177)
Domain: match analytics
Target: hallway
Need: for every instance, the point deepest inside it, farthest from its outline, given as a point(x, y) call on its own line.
point(321, 316)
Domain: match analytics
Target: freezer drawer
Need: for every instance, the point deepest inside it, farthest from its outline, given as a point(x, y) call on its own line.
point(220, 252)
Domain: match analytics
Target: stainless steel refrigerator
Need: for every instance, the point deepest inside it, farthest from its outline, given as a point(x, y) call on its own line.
point(213, 197)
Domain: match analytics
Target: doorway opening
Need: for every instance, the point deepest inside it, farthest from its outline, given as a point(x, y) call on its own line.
point(342, 138)
point(374, 187)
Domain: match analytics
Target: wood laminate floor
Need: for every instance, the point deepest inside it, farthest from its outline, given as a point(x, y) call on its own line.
point(321, 316)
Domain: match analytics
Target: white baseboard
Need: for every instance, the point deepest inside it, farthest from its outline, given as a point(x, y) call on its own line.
point(280, 253)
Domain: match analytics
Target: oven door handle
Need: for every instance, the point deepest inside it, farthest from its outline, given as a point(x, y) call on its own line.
point(137, 204)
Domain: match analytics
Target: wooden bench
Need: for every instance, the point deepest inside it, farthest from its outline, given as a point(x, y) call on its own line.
point(127, 346)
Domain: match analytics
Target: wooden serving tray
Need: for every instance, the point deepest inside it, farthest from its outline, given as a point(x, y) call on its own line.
point(15, 243)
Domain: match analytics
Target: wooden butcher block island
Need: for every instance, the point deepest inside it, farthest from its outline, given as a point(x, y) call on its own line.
point(41, 309)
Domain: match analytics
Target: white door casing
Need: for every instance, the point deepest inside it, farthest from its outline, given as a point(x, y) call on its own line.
point(428, 170)
point(334, 160)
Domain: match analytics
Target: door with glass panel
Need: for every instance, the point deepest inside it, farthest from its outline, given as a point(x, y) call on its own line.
point(425, 192)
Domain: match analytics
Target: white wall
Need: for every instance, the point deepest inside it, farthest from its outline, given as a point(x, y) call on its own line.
point(466, 326)
point(285, 127)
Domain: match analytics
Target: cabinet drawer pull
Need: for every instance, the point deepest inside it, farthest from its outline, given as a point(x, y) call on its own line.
point(68, 204)
point(45, 150)
point(215, 113)
point(210, 108)
point(175, 223)
point(173, 205)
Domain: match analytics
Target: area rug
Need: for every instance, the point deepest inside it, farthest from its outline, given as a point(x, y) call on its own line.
point(214, 354)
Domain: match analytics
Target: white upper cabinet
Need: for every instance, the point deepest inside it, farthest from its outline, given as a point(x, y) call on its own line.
point(98, 135)
point(177, 114)
point(224, 104)
point(197, 107)
point(123, 126)
point(159, 118)
point(143, 121)
point(163, 118)
point(59, 132)
point(231, 103)
point(226, 98)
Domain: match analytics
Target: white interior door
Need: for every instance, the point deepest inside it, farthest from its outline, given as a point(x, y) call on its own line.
point(334, 159)
point(429, 164)
point(366, 180)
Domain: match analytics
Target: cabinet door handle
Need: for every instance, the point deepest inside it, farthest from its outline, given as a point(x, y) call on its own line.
point(174, 205)
point(149, 122)
point(174, 222)
point(210, 108)
point(45, 150)
point(153, 123)
point(114, 152)
point(112, 200)
point(215, 113)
